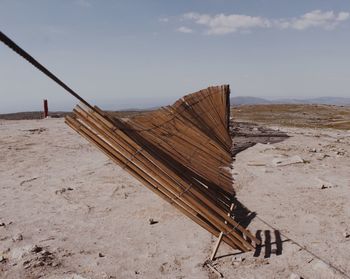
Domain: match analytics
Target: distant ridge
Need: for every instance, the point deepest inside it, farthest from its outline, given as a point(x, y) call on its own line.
point(338, 101)
point(235, 101)
point(248, 101)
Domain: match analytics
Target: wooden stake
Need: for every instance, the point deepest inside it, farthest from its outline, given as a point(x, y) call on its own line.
point(216, 248)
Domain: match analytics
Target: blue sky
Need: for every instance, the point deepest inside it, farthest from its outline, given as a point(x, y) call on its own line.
point(122, 54)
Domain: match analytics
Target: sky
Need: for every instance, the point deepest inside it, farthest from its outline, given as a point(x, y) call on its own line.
point(138, 54)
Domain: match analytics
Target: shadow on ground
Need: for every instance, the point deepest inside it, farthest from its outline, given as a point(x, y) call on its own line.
point(246, 135)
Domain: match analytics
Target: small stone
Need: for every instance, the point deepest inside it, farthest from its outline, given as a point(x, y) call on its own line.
point(101, 255)
point(38, 264)
point(45, 253)
point(55, 264)
point(36, 249)
point(2, 259)
point(238, 259)
point(2, 224)
point(346, 234)
point(323, 184)
point(152, 222)
point(322, 156)
point(61, 191)
point(17, 237)
point(70, 189)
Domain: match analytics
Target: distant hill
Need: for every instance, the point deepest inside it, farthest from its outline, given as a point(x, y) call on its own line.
point(322, 100)
point(338, 101)
point(249, 101)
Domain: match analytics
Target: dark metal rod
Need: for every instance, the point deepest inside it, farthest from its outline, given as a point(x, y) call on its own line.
point(11, 44)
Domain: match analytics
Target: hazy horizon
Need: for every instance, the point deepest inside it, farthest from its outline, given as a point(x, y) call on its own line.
point(131, 54)
point(150, 104)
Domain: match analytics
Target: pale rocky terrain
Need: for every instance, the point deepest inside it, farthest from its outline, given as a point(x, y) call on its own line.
point(66, 211)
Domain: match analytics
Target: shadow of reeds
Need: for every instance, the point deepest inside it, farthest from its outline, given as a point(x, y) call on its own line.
point(246, 135)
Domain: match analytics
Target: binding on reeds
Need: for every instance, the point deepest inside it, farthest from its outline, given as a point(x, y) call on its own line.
point(180, 152)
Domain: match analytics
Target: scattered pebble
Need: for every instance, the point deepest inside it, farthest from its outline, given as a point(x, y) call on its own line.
point(17, 237)
point(322, 184)
point(152, 222)
point(36, 249)
point(237, 260)
point(346, 234)
point(322, 156)
point(61, 191)
point(101, 255)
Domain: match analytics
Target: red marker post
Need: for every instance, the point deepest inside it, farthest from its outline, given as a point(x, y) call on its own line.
point(46, 109)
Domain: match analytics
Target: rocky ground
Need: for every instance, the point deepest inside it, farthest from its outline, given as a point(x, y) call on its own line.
point(66, 211)
point(303, 116)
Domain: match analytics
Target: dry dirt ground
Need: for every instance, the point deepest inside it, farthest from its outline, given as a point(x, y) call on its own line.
point(310, 116)
point(66, 211)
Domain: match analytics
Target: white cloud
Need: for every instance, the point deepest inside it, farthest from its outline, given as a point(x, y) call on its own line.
point(184, 29)
point(317, 18)
point(343, 16)
point(223, 24)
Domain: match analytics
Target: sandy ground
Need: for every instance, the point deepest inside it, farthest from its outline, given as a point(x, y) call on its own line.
point(66, 211)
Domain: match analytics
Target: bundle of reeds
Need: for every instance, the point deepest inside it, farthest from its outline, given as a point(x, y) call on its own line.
point(180, 152)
